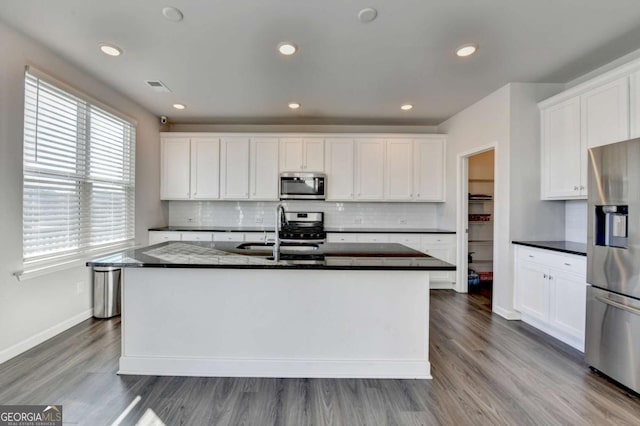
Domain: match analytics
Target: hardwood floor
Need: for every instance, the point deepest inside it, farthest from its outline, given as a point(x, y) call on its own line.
point(487, 371)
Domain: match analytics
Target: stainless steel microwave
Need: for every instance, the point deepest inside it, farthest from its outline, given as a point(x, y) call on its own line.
point(302, 186)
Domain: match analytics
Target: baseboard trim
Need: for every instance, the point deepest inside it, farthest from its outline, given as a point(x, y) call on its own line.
point(441, 285)
point(285, 368)
point(509, 314)
point(35, 340)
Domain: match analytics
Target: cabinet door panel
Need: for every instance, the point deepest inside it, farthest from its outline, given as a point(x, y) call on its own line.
point(568, 302)
point(399, 170)
point(373, 238)
point(205, 168)
point(234, 179)
point(429, 169)
point(175, 174)
point(443, 253)
point(533, 290)
point(563, 153)
point(340, 169)
point(634, 111)
point(291, 155)
point(314, 155)
point(264, 169)
point(197, 236)
point(370, 169)
point(605, 114)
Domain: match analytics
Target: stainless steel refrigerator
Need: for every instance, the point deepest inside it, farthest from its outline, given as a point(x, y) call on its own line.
point(612, 341)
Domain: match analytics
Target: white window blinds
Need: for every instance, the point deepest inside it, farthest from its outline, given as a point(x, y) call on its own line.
point(79, 175)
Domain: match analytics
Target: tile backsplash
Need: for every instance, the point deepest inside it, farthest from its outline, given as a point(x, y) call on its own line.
point(255, 213)
point(575, 221)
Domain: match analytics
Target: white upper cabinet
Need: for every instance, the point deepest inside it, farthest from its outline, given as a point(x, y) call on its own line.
point(563, 152)
point(234, 168)
point(605, 113)
point(398, 176)
point(369, 184)
point(340, 155)
point(205, 168)
point(635, 105)
point(302, 155)
point(190, 168)
point(313, 155)
point(175, 172)
point(263, 171)
point(213, 166)
point(429, 169)
point(584, 117)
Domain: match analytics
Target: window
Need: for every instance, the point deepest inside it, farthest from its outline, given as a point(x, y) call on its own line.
point(79, 178)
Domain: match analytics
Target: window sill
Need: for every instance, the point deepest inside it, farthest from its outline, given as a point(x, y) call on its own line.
point(39, 269)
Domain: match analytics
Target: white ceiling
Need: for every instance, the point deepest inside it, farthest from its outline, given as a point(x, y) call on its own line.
point(221, 60)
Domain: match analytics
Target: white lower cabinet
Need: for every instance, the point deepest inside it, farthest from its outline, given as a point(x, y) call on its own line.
point(550, 292)
point(440, 246)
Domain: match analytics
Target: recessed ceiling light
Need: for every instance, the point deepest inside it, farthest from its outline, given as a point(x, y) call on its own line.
point(406, 107)
point(179, 106)
point(172, 14)
point(287, 48)
point(467, 50)
point(294, 105)
point(367, 15)
point(110, 49)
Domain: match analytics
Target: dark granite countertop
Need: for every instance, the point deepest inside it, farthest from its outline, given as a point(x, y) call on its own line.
point(348, 256)
point(569, 247)
point(328, 229)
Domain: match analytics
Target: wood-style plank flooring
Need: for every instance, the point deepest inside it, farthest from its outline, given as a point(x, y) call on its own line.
point(487, 371)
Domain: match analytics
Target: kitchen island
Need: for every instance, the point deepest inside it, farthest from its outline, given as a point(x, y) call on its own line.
point(226, 309)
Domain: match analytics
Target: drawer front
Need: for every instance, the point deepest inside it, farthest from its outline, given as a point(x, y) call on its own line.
point(228, 236)
point(259, 236)
point(373, 238)
point(565, 262)
point(156, 237)
point(410, 240)
point(433, 239)
point(342, 238)
point(197, 236)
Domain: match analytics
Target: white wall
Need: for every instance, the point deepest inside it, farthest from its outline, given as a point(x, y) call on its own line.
point(36, 309)
point(507, 119)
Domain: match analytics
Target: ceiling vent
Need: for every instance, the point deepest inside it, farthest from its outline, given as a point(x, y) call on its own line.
point(158, 86)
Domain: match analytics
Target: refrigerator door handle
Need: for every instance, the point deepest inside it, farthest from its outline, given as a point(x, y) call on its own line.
point(618, 305)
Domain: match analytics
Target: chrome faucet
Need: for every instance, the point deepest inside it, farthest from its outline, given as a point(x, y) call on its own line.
point(280, 217)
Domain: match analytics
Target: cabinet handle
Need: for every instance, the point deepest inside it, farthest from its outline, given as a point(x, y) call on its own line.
point(567, 264)
point(575, 188)
point(581, 186)
point(550, 277)
point(531, 256)
point(545, 276)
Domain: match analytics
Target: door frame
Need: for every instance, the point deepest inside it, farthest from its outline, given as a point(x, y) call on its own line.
point(462, 212)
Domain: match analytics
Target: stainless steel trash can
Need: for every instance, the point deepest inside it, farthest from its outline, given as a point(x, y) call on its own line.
point(106, 292)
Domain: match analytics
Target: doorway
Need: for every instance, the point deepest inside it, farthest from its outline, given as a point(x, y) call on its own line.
point(480, 223)
point(475, 222)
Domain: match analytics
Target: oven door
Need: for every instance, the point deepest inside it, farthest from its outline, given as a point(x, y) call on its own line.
point(298, 186)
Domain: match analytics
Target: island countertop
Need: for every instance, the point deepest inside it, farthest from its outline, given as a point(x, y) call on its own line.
point(231, 255)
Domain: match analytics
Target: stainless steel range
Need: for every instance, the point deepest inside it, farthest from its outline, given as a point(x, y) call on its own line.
point(303, 227)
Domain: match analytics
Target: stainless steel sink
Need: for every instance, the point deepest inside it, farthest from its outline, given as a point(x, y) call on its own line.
point(283, 247)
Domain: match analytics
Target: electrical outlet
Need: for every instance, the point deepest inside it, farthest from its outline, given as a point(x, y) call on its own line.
point(402, 221)
point(259, 220)
point(190, 220)
point(79, 287)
